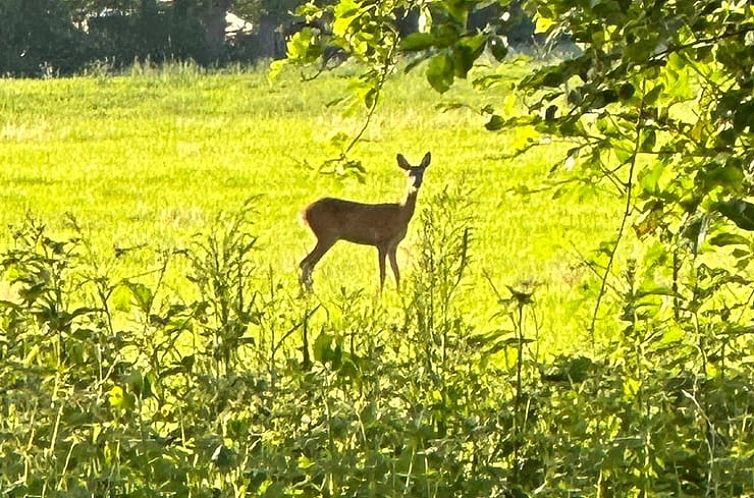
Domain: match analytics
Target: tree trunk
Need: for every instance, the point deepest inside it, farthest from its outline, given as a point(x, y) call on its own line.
point(151, 36)
point(270, 42)
point(214, 28)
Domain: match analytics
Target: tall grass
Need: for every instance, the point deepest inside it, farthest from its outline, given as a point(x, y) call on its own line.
point(155, 340)
point(149, 158)
point(116, 385)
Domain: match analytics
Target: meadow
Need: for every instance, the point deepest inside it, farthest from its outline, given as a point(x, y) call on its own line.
point(160, 344)
point(150, 157)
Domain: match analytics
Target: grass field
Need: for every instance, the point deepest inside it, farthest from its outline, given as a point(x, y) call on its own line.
point(215, 382)
point(151, 157)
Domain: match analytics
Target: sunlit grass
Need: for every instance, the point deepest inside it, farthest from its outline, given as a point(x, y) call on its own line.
point(149, 159)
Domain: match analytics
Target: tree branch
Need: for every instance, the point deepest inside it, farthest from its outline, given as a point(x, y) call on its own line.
point(698, 43)
point(626, 214)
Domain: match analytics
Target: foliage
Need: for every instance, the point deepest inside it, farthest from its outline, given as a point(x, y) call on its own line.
point(372, 34)
point(117, 385)
point(654, 105)
point(50, 38)
point(34, 33)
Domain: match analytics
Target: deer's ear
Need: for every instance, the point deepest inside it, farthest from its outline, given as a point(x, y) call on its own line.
point(426, 160)
point(402, 162)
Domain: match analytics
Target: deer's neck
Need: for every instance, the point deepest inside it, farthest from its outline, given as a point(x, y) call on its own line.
point(409, 203)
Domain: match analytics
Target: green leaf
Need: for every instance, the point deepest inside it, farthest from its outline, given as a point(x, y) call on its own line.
point(116, 396)
point(641, 50)
point(743, 117)
point(276, 490)
point(322, 347)
point(307, 10)
point(730, 176)
point(142, 296)
point(648, 141)
point(651, 96)
point(553, 78)
point(569, 369)
point(626, 91)
point(738, 211)
point(649, 178)
point(139, 384)
point(498, 48)
point(609, 96)
point(543, 24)
point(623, 148)
point(347, 8)
point(458, 9)
point(728, 239)
point(223, 457)
point(550, 112)
point(276, 67)
point(466, 52)
point(463, 61)
point(345, 12)
point(119, 399)
point(416, 42)
point(303, 46)
point(446, 35)
point(440, 72)
point(475, 43)
point(726, 137)
point(696, 231)
point(575, 98)
point(495, 123)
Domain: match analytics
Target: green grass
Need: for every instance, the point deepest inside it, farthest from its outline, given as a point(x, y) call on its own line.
point(151, 157)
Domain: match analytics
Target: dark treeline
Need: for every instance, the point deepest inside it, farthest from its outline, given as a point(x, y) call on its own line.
point(60, 37)
point(64, 36)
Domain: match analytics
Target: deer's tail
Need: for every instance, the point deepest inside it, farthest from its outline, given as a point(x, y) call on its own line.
point(303, 217)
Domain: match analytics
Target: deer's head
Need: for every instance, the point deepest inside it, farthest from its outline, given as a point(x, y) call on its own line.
point(415, 173)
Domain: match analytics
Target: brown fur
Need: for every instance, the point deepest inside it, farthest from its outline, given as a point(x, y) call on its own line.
point(381, 225)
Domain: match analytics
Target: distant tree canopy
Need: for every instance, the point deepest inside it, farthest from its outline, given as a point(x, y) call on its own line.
point(62, 36)
point(34, 33)
point(48, 37)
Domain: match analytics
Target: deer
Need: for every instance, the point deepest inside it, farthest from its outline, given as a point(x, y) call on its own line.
point(380, 225)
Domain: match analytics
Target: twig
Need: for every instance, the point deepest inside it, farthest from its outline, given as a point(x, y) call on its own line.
point(378, 92)
point(591, 266)
point(700, 42)
point(626, 214)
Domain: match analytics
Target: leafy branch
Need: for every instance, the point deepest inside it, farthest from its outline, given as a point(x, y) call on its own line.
point(626, 213)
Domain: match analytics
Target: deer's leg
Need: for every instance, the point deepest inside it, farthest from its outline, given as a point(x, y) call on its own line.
point(394, 265)
point(381, 253)
point(309, 262)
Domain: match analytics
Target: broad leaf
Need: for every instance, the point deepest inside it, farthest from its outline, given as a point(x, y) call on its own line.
point(738, 211)
point(440, 72)
point(495, 123)
point(142, 296)
point(727, 239)
point(416, 42)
